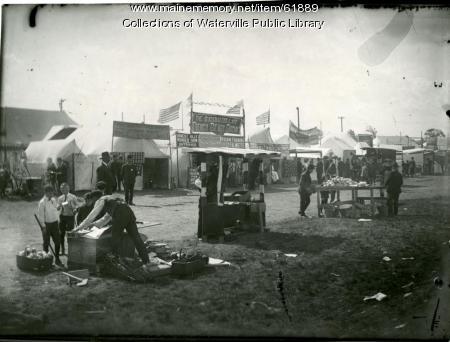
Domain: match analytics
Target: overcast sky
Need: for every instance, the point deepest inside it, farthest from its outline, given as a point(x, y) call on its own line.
point(358, 65)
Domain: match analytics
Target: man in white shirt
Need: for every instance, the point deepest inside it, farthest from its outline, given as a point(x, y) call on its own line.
point(49, 214)
point(67, 204)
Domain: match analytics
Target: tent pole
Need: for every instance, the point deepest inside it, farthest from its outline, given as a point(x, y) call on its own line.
point(192, 110)
point(73, 171)
point(178, 170)
point(243, 123)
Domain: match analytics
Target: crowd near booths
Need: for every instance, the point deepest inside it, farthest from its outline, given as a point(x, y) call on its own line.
point(217, 208)
point(273, 166)
point(80, 150)
point(424, 160)
point(20, 127)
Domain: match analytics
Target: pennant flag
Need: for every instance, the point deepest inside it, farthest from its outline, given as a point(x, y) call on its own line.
point(169, 114)
point(236, 109)
point(263, 119)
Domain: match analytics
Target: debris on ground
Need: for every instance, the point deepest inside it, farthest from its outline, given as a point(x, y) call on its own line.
point(264, 305)
point(212, 262)
point(80, 281)
point(386, 258)
point(379, 297)
point(334, 274)
point(290, 255)
point(408, 285)
point(410, 258)
point(401, 326)
point(407, 294)
point(364, 220)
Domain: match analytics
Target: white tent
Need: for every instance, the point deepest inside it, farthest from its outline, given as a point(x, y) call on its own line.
point(82, 148)
point(262, 136)
point(341, 144)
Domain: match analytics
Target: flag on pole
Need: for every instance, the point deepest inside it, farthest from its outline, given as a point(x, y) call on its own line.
point(236, 109)
point(169, 114)
point(263, 119)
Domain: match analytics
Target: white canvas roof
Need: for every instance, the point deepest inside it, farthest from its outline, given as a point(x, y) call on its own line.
point(417, 150)
point(248, 152)
point(92, 141)
point(39, 151)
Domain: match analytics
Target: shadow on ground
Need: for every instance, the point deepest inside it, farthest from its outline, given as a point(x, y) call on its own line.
point(288, 242)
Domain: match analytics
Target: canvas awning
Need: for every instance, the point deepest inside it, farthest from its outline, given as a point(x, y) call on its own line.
point(417, 150)
point(232, 151)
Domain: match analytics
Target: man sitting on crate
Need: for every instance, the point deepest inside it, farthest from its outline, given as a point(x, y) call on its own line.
point(121, 217)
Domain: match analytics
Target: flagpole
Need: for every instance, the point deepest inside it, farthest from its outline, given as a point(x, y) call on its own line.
point(182, 119)
point(192, 110)
point(243, 122)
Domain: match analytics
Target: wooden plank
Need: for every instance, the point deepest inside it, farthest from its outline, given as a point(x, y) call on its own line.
point(318, 203)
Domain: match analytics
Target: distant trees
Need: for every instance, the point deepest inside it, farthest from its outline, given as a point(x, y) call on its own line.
point(351, 133)
point(372, 131)
point(431, 137)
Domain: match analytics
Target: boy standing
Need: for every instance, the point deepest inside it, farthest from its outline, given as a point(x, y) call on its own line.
point(48, 213)
point(67, 203)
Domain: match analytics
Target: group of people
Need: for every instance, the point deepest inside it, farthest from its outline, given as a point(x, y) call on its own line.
point(362, 170)
point(409, 167)
point(115, 173)
point(5, 178)
point(68, 213)
point(55, 175)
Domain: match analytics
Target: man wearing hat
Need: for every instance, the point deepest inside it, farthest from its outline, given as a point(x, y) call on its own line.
point(104, 173)
point(305, 190)
point(393, 184)
point(129, 173)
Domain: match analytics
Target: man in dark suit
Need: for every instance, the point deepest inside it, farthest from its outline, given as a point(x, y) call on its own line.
point(129, 173)
point(61, 172)
point(393, 185)
point(305, 190)
point(104, 174)
point(116, 168)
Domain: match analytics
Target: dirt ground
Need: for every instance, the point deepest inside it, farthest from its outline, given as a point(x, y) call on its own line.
point(318, 293)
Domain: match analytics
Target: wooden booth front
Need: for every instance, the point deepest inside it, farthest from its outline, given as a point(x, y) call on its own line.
point(219, 210)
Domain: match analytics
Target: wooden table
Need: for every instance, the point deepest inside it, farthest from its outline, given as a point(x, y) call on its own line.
point(355, 199)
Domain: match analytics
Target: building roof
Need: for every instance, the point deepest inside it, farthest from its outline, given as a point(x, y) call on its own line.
point(23, 125)
point(397, 140)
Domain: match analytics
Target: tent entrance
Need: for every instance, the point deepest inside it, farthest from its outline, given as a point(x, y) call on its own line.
point(156, 173)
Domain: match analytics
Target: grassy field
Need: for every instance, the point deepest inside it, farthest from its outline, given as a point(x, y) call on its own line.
point(317, 293)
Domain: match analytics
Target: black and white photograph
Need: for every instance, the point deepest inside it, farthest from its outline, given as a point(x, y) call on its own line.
point(225, 170)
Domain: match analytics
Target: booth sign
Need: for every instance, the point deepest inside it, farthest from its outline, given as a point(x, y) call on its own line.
point(218, 124)
point(140, 131)
point(187, 140)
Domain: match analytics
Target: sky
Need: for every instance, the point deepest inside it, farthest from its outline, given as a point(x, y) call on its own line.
point(372, 66)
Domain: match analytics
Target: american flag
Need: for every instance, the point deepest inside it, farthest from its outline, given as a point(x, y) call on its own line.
point(169, 114)
point(236, 109)
point(263, 119)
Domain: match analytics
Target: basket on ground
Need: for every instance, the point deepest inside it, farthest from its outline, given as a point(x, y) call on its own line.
point(34, 265)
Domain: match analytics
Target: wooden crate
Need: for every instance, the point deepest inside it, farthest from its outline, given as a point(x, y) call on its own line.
point(85, 252)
